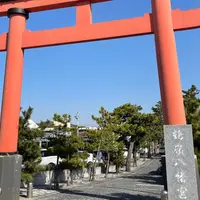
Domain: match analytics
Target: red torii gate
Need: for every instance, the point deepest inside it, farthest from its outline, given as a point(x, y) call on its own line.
point(162, 22)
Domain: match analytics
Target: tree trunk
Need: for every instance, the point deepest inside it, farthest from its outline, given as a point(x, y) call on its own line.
point(117, 165)
point(82, 173)
point(57, 174)
point(68, 175)
point(156, 147)
point(94, 166)
point(149, 150)
point(72, 177)
point(93, 170)
point(134, 156)
point(107, 165)
point(130, 151)
point(90, 172)
point(117, 169)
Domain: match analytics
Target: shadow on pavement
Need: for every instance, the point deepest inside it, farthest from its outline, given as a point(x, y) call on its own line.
point(152, 177)
point(112, 196)
point(136, 190)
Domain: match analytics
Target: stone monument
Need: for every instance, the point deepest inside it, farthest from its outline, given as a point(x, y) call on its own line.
point(180, 163)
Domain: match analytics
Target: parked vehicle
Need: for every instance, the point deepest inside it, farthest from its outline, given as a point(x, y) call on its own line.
point(48, 159)
point(91, 158)
point(51, 160)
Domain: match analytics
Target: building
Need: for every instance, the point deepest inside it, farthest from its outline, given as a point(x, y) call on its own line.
point(32, 124)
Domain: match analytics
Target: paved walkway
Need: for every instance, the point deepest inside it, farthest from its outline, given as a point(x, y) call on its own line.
point(40, 193)
point(144, 184)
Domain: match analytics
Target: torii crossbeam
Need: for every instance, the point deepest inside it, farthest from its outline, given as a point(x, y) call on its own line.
point(162, 22)
point(86, 31)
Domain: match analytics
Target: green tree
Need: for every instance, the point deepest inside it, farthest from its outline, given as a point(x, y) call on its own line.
point(67, 148)
point(59, 140)
point(192, 110)
point(157, 110)
point(66, 145)
point(117, 157)
point(153, 132)
point(104, 119)
point(45, 124)
point(129, 121)
point(63, 119)
point(154, 128)
point(158, 121)
point(105, 140)
point(28, 145)
point(145, 124)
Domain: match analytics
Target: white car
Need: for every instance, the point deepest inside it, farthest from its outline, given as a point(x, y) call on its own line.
point(48, 160)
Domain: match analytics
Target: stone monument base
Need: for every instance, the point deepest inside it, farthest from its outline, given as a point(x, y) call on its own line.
point(10, 176)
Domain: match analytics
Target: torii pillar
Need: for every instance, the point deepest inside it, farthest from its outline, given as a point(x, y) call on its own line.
point(10, 162)
point(179, 148)
point(167, 60)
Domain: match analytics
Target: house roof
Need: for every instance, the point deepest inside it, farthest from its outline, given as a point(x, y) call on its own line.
point(32, 124)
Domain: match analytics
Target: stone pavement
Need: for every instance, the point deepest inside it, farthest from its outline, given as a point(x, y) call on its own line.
point(40, 193)
point(145, 183)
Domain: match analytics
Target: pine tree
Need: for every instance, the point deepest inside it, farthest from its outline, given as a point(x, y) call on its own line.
point(129, 122)
point(28, 145)
point(66, 145)
point(192, 110)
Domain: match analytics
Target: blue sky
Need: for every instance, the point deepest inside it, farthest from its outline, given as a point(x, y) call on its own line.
point(83, 77)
